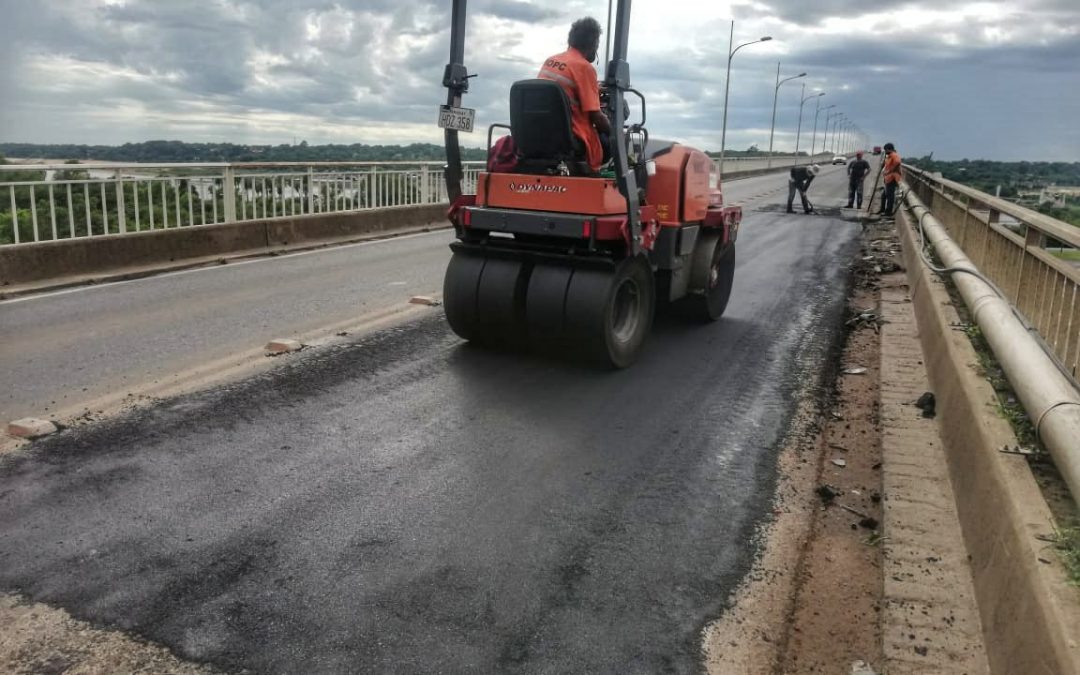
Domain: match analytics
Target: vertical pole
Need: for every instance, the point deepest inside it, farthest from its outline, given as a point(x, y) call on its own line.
point(727, 88)
point(425, 196)
point(798, 131)
point(772, 128)
point(121, 208)
point(311, 189)
point(15, 212)
point(813, 138)
point(228, 193)
point(607, 37)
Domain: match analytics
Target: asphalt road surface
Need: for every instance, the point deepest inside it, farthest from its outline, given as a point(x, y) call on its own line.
point(61, 349)
point(407, 503)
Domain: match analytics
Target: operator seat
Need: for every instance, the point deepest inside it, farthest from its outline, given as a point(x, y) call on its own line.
point(540, 126)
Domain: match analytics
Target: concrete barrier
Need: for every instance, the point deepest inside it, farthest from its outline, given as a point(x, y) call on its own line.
point(73, 259)
point(1030, 614)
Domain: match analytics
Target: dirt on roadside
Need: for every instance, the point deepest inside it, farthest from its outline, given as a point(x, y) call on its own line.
point(812, 604)
point(37, 639)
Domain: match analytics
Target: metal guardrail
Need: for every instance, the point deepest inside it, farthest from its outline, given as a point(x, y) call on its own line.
point(94, 200)
point(1007, 243)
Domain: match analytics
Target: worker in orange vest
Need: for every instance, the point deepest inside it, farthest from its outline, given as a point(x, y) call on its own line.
point(573, 70)
point(893, 175)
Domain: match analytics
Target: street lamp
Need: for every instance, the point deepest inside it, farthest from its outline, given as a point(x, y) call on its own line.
point(837, 121)
point(727, 86)
point(776, 93)
point(799, 131)
point(813, 139)
point(829, 119)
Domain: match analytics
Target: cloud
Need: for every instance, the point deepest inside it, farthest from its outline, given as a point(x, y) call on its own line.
point(992, 78)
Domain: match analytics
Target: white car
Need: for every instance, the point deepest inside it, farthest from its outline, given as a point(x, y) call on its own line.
point(839, 159)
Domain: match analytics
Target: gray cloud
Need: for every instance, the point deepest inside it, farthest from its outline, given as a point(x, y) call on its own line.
point(999, 83)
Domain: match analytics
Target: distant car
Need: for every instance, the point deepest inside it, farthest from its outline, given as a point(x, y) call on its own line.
point(877, 149)
point(839, 159)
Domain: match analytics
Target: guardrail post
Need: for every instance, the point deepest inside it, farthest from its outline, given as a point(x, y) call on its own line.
point(425, 196)
point(311, 189)
point(121, 211)
point(1033, 238)
point(228, 193)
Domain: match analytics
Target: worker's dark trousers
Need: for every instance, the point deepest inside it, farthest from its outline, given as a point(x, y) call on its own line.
point(888, 202)
point(792, 187)
point(854, 194)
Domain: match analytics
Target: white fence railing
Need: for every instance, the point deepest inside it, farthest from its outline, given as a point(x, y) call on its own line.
point(48, 202)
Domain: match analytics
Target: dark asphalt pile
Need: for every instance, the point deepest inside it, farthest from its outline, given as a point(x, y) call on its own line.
point(407, 503)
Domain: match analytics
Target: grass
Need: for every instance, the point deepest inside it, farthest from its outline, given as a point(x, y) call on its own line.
point(1070, 254)
point(1008, 404)
point(1066, 538)
point(1067, 545)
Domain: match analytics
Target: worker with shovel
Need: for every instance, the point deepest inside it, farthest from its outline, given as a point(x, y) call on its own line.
point(801, 177)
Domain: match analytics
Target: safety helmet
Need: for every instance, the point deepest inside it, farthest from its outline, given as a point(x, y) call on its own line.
point(814, 168)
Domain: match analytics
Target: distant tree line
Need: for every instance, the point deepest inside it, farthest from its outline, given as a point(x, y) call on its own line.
point(179, 151)
point(1013, 178)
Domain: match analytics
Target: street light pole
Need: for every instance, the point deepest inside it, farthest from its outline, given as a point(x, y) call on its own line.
point(727, 87)
point(813, 139)
point(828, 121)
point(776, 94)
point(836, 133)
point(798, 132)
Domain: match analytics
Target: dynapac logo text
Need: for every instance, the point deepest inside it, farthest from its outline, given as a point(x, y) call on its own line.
point(536, 187)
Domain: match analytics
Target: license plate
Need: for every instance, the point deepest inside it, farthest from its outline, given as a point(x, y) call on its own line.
point(460, 119)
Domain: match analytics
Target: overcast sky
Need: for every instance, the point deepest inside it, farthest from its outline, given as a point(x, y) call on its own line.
point(997, 80)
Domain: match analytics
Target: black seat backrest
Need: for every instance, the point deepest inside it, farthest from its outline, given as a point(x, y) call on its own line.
point(540, 125)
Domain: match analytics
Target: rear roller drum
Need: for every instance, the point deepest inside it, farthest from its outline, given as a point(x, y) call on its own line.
point(545, 304)
point(484, 299)
point(608, 315)
point(459, 293)
point(500, 303)
point(711, 278)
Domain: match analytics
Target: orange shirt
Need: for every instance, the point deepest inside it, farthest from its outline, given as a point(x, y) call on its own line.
point(578, 79)
point(892, 167)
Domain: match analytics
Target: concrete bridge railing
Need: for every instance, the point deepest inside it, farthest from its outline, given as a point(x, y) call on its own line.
point(1008, 243)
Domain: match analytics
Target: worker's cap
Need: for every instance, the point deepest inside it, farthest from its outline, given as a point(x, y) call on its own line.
point(814, 168)
point(858, 153)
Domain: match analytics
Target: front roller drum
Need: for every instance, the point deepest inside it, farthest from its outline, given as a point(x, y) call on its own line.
point(712, 275)
point(608, 314)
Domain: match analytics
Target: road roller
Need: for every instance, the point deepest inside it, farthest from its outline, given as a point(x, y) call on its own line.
point(552, 256)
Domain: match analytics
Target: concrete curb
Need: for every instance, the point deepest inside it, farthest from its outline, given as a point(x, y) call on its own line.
point(280, 245)
point(44, 262)
point(1030, 614)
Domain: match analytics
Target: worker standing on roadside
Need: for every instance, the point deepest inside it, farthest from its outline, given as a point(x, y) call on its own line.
point(573, 70)
point(857, 170)
point(893, 174)
point(801, 177)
